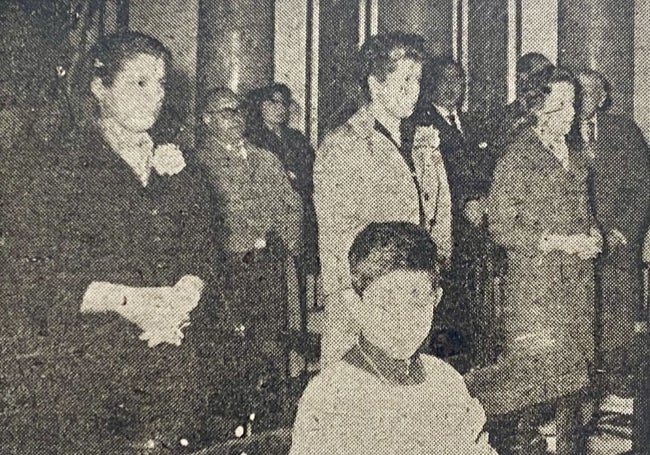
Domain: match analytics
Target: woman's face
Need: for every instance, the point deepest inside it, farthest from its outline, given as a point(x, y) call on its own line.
point(135, 97)
point(399, 93)
point(557, 113)
point(275, 111)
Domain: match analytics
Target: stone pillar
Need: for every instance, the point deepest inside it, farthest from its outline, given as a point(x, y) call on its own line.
point(433, 19)
point(539, 27)
point(235, 44)
point(599, 34)
point(642, 67)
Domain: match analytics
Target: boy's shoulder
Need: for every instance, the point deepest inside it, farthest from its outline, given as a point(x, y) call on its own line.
point(440, 372)
point(338, 382)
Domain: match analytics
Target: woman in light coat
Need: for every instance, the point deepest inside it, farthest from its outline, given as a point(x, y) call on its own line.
point(364, 173)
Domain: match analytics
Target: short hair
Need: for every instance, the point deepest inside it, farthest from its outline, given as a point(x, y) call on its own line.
point(529, 67)
point(432, 73)
point(607, 87)
point(379, 55)
point(382, 248)
point(215, 94)
point(107, 57)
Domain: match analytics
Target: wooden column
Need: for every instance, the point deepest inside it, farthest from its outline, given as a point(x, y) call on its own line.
point(487, 54)
point(433, 19)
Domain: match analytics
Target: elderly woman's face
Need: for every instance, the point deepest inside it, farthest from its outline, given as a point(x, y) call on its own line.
point(557, 113)
point(399, 93)
point(135, 97)
point(275, 110)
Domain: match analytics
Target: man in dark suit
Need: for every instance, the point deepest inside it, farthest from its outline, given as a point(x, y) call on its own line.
point(469, 164)
point(621, 200)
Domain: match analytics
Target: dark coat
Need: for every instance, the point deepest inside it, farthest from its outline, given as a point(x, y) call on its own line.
point(83, 216)
point(531, 195)
point(467, 155)
point(621, 199)
point(297, 155)
point(548, 312)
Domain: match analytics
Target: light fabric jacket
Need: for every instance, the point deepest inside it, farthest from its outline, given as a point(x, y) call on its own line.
point(360, 177)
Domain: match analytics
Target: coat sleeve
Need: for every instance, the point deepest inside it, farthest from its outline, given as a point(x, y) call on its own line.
point(337, 200)
point(288, 217)
point(336, 182)
point(510, 220)
point(441, 226)
point(637, 188)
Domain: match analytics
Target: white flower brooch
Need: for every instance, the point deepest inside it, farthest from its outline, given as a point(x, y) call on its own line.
point(168, 159)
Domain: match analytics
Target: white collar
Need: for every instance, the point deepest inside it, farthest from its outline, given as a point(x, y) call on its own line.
point(446, 113)
point(136, 149)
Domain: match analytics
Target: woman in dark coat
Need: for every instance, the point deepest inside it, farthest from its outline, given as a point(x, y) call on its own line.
point(268, 128)
point(539, 212)
point(111, 257)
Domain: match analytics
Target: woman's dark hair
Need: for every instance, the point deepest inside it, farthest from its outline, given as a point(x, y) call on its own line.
point(254, 101)
point(379, 55)
point(381, 248)
point(105, 60)
point(107, 57)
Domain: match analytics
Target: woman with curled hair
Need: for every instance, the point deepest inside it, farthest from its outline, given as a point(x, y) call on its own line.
point(364, 172)
point(112, 262)
point(539, 212)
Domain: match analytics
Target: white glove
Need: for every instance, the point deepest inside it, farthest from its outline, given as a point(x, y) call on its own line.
point(161, 312)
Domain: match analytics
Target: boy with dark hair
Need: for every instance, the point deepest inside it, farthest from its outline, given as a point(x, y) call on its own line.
point(383, 397)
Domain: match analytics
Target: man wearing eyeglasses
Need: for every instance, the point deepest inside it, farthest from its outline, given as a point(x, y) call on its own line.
point(258, 223)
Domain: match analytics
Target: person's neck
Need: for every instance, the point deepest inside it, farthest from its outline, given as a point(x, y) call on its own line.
point(227, 141)
point(591, 119)
point(446, 108)
point(116, 135)
point(553, 141)
point(388, 120)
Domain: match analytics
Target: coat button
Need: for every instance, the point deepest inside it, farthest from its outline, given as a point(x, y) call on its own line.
point(154, 212)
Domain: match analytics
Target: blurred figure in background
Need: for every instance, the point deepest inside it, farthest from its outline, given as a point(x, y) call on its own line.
point(532, 70)
point(364, 173)
point(258, 222)
point(268, 128)
point(620, 161)
point(469, 167)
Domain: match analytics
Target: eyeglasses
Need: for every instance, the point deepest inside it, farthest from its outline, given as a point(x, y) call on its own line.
point(227, 111)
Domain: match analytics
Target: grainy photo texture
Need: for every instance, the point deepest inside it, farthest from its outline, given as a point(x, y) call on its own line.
point(324, 227)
